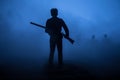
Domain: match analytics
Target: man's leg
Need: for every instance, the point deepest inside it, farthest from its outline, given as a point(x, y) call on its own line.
point(52, 50)
point(60, 55)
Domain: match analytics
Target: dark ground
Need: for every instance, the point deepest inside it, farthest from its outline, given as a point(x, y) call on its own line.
point(104, 64)
point(45, 72)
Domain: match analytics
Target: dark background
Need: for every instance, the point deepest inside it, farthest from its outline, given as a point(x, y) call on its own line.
point(24, 48)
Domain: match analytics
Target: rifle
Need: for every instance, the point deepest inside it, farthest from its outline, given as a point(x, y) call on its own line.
point(66, 37)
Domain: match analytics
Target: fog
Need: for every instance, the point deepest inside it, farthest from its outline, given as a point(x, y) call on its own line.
point(22, 42)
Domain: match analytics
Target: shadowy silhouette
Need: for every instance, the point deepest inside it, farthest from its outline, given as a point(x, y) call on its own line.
point(93, 36)
point(105, 35)
point(54, 26)
point(68, 72)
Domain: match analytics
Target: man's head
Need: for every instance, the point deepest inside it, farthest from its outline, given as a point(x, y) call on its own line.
point(54, 12)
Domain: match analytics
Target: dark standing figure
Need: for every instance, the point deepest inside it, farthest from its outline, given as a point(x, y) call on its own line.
point(54, 26)
point(105, 36)
point(93, 36)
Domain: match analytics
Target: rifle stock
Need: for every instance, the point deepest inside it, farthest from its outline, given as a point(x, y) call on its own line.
point(66, 37)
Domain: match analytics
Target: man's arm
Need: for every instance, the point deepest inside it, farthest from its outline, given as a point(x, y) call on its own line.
point(48, 28)
point(65, 28)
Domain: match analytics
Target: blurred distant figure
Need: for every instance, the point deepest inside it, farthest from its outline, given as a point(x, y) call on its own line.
point(93, 36)
point(53, 28)
point(105, 35)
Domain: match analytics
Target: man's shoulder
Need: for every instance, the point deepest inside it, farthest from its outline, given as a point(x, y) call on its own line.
point(60, 19)
point(49, 19)
point(55, 18)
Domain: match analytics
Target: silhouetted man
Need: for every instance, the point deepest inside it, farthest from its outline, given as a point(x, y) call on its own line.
point(54, 26)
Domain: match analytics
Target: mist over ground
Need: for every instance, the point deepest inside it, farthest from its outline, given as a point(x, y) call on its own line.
point(27, 46)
